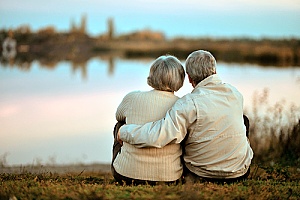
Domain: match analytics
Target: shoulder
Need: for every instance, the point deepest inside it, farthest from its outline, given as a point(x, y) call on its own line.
point(132, 94)
point(185, 103)
point(164, 94)
point(234, 90)
point(185, 99)
point(138, 96)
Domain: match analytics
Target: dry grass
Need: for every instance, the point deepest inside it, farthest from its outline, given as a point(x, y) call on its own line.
point(274, 131)
point(269, 183)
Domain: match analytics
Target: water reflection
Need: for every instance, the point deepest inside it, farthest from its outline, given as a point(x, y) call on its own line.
point(76, 65)
point(63, 112)
point(9, 45)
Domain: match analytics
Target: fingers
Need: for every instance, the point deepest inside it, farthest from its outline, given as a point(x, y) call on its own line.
point(118, 137)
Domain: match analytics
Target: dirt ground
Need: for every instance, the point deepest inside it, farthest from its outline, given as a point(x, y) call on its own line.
point(60, 169)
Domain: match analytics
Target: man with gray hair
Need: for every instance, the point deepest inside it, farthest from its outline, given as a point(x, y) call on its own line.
point(208, 122)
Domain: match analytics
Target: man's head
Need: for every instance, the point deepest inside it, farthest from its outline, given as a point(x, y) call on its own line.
point(199, 65)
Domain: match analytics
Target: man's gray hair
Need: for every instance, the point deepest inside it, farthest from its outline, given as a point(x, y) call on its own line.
point(200, 65)
point(166, 74)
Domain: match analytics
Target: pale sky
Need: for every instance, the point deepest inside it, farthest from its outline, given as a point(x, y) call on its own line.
point(59, 6)
point(215, 17)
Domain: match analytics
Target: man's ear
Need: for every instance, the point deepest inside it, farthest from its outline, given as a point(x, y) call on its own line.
point(191, 81)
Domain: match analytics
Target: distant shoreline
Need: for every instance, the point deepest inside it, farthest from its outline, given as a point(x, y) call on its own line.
point(51, 47)
point(59, 169)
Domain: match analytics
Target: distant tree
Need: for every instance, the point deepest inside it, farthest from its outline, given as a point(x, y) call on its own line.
point(111, 30)
point(24, 29)
point(23, 34)
point(50, 30)
point(73, 26)
point(83, 24)
point(144, 35)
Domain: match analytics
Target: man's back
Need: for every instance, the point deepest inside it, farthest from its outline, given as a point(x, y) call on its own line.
point(216, 142)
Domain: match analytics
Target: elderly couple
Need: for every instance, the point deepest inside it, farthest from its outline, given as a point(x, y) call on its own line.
point(199, 137)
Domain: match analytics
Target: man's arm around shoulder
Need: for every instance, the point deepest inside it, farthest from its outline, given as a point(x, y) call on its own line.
point(171, 129)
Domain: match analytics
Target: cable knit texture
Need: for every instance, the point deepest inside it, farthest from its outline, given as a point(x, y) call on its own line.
point(153, 164)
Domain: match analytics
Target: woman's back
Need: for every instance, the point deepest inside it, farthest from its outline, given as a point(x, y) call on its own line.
point(152, 164)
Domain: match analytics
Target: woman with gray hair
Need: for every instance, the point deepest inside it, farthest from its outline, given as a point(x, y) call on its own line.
point(134, 165)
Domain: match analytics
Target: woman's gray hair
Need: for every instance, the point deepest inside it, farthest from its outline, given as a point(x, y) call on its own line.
point(166, 74)
point(200, 65)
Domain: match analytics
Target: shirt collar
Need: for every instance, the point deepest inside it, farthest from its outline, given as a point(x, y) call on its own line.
point(213, 79)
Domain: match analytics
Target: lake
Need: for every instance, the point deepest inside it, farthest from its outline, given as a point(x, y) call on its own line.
point(64, 114)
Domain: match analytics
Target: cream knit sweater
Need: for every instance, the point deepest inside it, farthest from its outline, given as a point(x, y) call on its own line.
point(153, 164)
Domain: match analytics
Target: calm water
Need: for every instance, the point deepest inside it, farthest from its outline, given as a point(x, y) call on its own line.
point(65, 114)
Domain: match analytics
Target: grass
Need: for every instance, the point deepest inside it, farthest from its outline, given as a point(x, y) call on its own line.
point(275, 170)
point(264, 183)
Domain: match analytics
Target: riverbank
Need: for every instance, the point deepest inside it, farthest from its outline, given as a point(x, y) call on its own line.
point(59, 169)
point(50, 47)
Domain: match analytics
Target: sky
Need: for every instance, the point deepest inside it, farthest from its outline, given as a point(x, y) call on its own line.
point(214, 18)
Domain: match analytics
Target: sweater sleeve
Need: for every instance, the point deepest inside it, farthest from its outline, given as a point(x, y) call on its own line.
point(171, 129)
point(124, 106)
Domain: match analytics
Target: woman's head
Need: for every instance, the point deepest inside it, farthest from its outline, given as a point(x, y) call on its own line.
point(166, 74)
point(200, 65)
